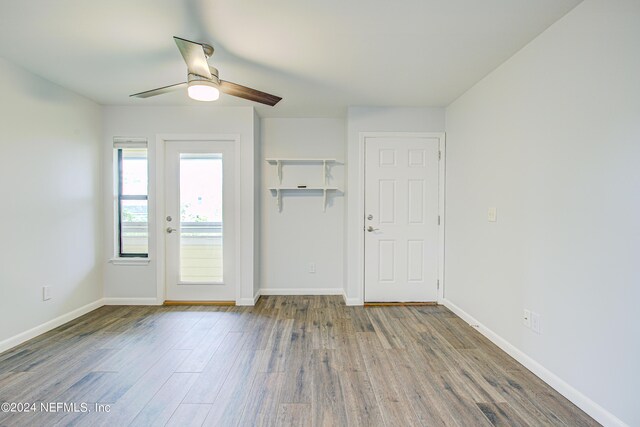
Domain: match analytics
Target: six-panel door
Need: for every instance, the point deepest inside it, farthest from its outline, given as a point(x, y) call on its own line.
point(401, 219)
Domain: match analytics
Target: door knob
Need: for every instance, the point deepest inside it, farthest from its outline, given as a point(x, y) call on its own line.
point(370, 229)
point(170, 230)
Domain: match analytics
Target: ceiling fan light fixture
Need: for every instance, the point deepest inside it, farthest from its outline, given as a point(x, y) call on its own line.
point(203, 83)
point(202, 90)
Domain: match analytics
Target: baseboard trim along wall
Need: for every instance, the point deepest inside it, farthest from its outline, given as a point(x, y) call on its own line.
point(47, 326)
point(596, 411)
point(132, 301)
point(302, 291)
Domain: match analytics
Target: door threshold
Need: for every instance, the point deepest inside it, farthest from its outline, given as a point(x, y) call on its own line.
point(221, 303)
point(401, 304)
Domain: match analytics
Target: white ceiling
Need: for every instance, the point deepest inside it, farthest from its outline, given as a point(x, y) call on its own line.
point(319, 55)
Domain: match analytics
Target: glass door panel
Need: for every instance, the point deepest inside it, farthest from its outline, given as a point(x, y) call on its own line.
point(201, 219)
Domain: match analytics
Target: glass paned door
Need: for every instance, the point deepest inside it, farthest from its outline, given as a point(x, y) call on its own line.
point(199, 220)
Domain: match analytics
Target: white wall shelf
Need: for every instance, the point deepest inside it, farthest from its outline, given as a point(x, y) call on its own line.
point(324, 188)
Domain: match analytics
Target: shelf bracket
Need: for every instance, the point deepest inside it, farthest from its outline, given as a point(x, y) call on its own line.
point(325, 172)
point(324, 200)
point(279, 167)
point(279, 200)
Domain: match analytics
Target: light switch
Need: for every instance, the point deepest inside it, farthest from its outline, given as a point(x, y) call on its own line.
point(492, 214)
point(535, 323)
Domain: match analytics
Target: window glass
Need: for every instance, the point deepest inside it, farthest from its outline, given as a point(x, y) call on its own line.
point(201, 218)
point(134, 171)
point(132, 202)
point(134, 220)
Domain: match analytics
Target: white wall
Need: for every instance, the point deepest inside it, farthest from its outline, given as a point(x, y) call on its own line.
point(373, 119)
point(137, 284)
point(51, 201)
point(302, 233)
point(552, 139)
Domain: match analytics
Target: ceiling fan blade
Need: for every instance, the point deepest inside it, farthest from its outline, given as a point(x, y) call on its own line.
point(193, 54)
point(159, 91)
point(248, 93)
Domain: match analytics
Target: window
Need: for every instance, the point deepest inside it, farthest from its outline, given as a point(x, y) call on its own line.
point(132, 200)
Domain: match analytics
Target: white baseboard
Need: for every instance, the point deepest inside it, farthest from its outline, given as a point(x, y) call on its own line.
point(302, 291)
point(132, 301)
point(596, 411)
point(249, 301)
point(47, 326)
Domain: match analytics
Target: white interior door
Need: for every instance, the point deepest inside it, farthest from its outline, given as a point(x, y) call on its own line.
point(401, 219)
point(199, 221)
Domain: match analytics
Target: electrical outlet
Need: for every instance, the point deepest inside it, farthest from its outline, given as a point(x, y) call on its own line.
point(492, 214)
point(312, 267)
point(46, 293)
point(526, 318)
point(535, 323)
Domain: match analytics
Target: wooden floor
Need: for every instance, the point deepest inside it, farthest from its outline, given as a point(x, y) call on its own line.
point(300, 361)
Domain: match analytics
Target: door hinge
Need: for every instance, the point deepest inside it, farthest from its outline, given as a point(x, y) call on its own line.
point(438, 219)
point(438, 284)
point(439, 155)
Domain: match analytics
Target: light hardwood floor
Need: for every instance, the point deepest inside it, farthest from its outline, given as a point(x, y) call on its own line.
point(288, 361)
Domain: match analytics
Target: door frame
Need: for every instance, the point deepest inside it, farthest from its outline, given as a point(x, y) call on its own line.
point(234, 141)
point(363, 136)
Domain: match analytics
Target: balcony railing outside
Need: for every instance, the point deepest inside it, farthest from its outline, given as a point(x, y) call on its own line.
point(200, 248)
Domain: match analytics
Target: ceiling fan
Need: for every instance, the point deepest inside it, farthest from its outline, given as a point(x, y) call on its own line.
point(203, 83)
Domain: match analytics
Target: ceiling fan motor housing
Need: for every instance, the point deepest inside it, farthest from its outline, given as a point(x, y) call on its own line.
point(214, 77)
point(208, 49)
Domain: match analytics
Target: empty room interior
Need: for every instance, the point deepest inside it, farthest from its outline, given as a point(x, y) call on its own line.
point(320, 213)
